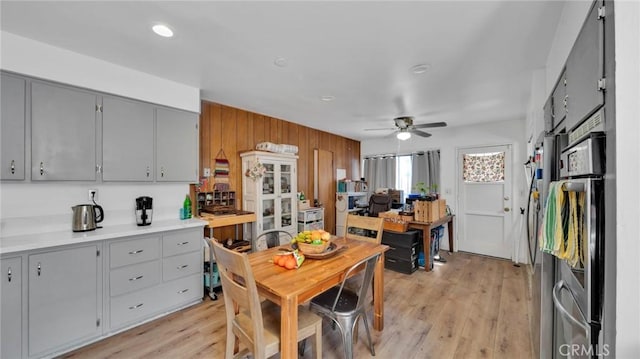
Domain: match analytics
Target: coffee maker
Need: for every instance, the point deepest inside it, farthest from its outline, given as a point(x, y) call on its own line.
point(144, 210)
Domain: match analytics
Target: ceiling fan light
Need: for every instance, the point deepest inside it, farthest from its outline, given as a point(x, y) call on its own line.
point(403, 135)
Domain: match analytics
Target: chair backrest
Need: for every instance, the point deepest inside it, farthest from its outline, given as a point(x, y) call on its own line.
point(272, 237)
point(363, 281)
point(367, 224)
point(379, 203)
point(240, 290)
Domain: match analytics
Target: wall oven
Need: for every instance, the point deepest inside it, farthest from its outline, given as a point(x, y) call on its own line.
point(578, 290)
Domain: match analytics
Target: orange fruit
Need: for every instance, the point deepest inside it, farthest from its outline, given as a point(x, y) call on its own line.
point(290, 262)
point(276, 259)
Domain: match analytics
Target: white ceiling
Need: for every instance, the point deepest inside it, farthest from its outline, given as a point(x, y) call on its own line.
point(481, 54)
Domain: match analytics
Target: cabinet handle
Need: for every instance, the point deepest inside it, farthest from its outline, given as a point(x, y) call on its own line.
point(390, 260)
point(148, 171)
point(136, 306)
point(136, 252)
point(161, 171)
point(41, 168)
point(182, 266)
point(183, 291)
point(9, 275)
point(13, 166)
point(39, 269)
point(183, 243)
point(135, 278)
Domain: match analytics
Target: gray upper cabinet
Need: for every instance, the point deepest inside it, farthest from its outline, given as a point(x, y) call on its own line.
point(127, 140)
point(548, 115)
point(13, 124)
point(559, 101)
point(63, 133)
point(176, 146)
point(11, 302)
point(585, 69)
point(65, 305)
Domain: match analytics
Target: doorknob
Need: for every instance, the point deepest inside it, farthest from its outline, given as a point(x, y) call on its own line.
point(507, 209)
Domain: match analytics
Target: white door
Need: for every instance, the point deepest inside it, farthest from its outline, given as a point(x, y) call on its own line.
point(484, 200)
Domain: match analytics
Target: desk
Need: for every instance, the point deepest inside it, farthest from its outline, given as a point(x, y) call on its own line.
point(426, 228)
point(289, 288)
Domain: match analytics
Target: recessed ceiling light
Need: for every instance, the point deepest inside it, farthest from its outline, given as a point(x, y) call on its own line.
point(162, 30)
point(420, 69)
point(280, 61)
point(327, 98)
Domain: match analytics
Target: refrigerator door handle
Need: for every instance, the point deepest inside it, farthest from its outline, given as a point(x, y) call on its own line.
point(565, 313)
point(574, 187)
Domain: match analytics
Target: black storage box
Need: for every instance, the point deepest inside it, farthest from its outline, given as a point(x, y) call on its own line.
point(402, 255)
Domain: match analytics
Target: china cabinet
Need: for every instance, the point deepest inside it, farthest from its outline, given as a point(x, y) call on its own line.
point(269, 185)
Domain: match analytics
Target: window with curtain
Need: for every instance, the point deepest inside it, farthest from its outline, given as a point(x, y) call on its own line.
point(483, 167)
point(404, 171)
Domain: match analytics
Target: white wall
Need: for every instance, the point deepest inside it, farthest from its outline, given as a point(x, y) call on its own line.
point(627, 47)
point(39, 207)
point(26, 56)
point(448, 140)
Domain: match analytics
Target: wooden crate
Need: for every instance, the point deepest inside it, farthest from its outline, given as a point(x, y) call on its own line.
point(442, 207)
point(395, 226)
point(395, 215)
point(426, 211)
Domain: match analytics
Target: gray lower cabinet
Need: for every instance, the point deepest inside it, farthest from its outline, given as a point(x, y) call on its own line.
point(127, 140)
point(585, 69)
point(65, 298)
point(11, 314)
point(12, 121)
point(63, 133)
point(176, 146)
point(151, 275)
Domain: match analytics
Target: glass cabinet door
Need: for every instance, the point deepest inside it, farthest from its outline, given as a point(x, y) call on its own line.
point(286, 218)
point(268, 179)
point(268, 214)
point(285, 178)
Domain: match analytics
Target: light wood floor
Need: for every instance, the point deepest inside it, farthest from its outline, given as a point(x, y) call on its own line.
point(470, 307)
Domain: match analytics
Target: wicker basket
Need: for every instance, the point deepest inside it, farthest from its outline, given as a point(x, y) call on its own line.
point(313, 248)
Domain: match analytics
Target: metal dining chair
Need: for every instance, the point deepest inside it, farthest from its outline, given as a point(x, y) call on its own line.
point(346, 306)
point(272, 237)
point(255, 324)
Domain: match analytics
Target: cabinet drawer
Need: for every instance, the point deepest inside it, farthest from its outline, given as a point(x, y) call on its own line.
point(181, 242)
point(310, 226)
point(134, 251)
point(310, 215)
point(182, 265)
point(183, 291)
point(135, 306)
point(134, 277)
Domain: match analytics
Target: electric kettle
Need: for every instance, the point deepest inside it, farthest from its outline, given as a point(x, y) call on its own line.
point(86, 217)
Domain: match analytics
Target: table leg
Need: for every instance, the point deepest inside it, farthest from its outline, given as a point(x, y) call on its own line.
point(289, 328)
point(426, 246)
point(450, 228)
point(378, 294)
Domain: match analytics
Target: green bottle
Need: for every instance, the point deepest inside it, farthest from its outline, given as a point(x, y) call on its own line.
point(187, 207)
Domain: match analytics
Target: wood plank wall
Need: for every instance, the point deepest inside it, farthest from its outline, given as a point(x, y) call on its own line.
point(233, 131)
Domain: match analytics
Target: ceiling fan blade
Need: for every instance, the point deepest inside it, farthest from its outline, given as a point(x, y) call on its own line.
point(420, 133)
point(379, 129)
point(431, 125)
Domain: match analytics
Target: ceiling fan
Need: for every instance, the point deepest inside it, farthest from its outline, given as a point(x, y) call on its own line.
point(405, 127)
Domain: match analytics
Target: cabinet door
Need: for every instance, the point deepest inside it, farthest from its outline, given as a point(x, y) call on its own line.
point(585, 67)
point(127, 140)
point(64, 294)
point(12, 122)
point(63, 133)
point(177, 146)
point(11, 303)
point(559, 101)
point(287, 198)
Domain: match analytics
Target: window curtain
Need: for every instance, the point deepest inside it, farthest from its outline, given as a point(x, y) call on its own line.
point(426, 168)
point(380, 172)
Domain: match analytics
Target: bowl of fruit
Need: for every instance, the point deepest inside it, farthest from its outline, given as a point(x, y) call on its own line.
point(312, 242)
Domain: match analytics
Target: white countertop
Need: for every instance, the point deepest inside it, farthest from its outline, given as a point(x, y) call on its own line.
point(13, 244)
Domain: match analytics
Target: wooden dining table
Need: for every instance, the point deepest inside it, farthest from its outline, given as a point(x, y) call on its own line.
point(290, 288)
